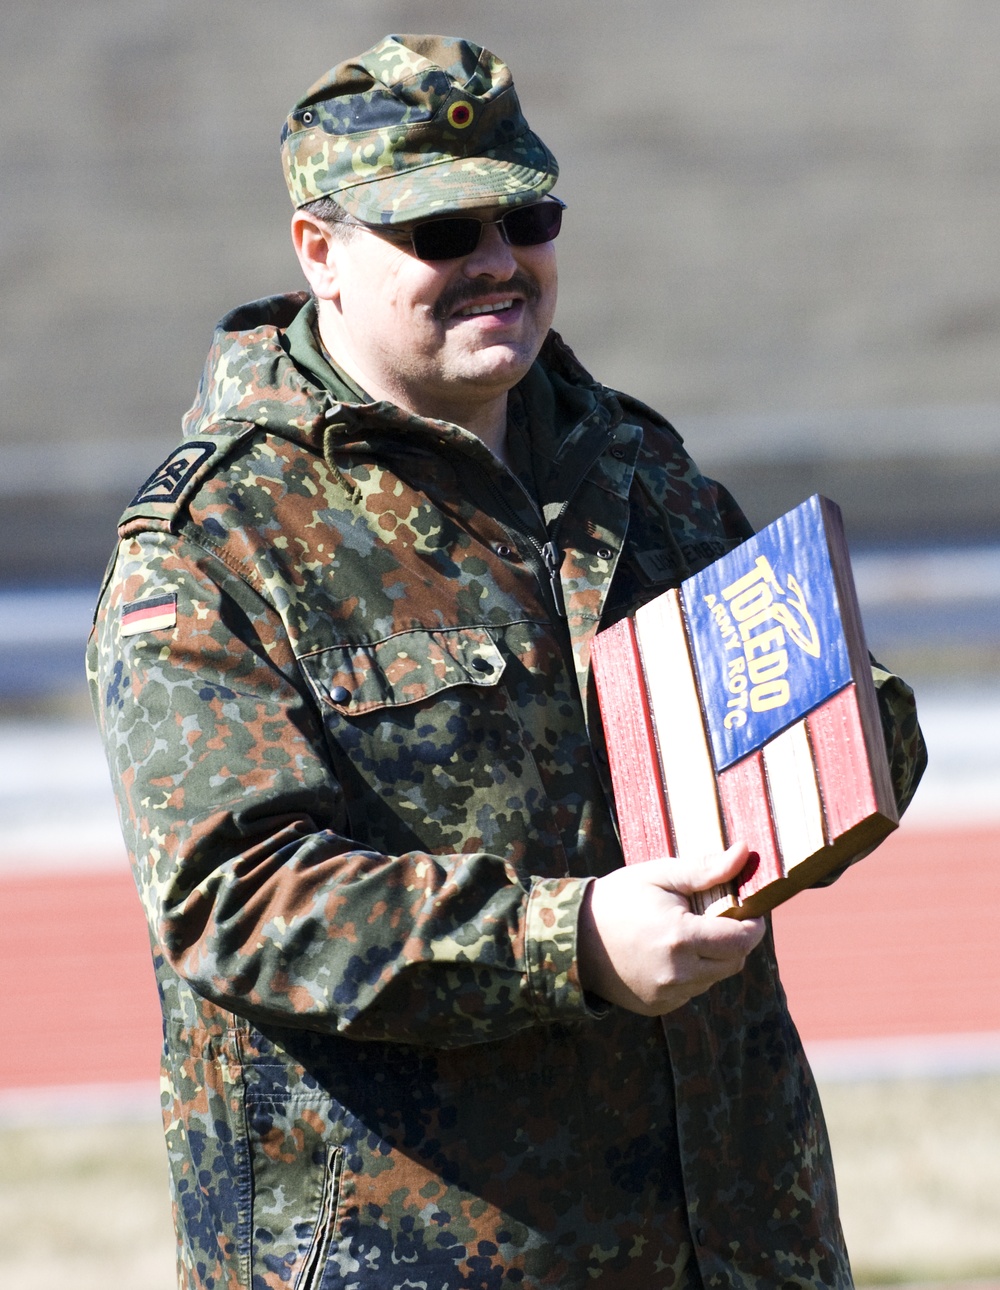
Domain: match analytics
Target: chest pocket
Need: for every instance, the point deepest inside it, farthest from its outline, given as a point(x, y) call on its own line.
point(426, 742)
point(407, 668)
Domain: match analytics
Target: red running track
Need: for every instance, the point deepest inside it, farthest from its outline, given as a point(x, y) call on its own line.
point(904, 944)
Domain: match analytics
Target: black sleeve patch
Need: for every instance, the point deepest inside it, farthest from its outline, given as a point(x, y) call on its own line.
point(167, 482)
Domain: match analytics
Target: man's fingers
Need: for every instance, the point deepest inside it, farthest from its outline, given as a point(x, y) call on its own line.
point(688, 874)
point(640, 946)
point(715, 942)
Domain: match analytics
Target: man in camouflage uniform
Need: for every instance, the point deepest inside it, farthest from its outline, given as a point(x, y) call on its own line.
point(421, 1027)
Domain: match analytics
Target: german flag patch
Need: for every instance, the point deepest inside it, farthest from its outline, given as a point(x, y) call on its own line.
point(153, 614)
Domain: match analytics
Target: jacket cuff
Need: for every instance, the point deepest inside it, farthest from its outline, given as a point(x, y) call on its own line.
point(550, 950)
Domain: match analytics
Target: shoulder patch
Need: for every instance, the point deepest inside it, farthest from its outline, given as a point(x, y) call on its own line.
point(163, 494)
point(166, 483)
point(154, 613)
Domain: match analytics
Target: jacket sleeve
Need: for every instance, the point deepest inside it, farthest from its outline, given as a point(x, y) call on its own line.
point(904, 740)
point(235, 824)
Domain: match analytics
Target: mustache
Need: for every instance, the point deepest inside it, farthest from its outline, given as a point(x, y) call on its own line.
point(471, 291)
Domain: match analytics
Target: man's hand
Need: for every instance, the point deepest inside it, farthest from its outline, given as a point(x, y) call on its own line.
point(639, 944)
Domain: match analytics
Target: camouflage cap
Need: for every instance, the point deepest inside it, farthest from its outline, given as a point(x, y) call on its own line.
point(416, 126)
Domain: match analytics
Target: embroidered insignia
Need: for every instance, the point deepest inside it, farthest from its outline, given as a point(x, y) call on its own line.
point(166, 483)
point(150, 615)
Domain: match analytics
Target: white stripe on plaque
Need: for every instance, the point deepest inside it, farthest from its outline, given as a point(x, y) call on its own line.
point(688, 772)
point(796, 807)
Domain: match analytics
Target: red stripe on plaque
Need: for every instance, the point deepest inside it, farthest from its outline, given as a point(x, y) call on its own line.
point(635, 769)
point(747, 812)
point(845, 780)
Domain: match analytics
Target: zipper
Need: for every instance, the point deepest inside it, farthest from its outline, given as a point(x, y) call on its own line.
point(553, 563)
point(548, 551)
point(315, 1260)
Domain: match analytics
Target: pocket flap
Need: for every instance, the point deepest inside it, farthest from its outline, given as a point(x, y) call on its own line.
point(406, 668)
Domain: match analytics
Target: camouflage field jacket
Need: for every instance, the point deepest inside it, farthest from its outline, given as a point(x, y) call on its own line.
point(341, 667)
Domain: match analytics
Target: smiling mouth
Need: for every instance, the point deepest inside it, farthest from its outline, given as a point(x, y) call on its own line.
point(499, 307)
point(467, 298)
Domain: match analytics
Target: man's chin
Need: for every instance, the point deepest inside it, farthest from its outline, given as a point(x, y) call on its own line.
point(500, 364)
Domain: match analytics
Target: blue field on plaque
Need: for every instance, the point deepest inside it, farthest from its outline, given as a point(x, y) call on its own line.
point(766, 633)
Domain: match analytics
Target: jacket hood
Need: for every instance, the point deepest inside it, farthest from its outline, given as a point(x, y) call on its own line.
point(250, 379)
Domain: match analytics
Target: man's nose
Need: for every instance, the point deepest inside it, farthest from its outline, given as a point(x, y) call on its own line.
point(492, 258)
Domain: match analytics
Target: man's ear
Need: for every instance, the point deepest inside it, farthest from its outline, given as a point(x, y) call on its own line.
point(315, 245)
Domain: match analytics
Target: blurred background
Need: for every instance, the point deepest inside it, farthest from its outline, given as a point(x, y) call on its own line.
point(783, 233)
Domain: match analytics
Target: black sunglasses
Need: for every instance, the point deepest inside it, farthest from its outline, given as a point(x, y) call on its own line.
point(453, 236)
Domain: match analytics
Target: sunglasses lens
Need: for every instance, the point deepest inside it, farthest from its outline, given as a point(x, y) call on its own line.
point(450, 239)
point(533, 225)
point(445, 239)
